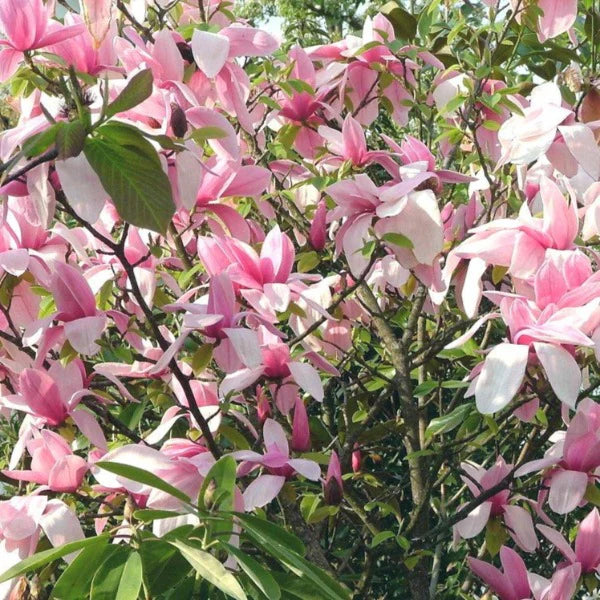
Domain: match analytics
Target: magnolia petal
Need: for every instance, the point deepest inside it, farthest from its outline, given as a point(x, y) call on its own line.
point(562, 371)
point(307, 377)
point(210, 51)
point(262, 490)
point(501, 377)
point(567, 490)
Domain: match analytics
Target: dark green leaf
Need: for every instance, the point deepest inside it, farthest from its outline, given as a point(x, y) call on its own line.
point(33, 563)
point(135, 92)
point(257, 573)
point(40, 142)
point(76, 579)
point(142, 476)
point(448, 422)
point(119, 576)
point(70, 139)
point(139, 188)
point(210, 569)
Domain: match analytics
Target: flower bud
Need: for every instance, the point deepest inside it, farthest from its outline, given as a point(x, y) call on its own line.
point(300, 428)
point(356, 459)
point(333, 489)
point(318, 228)
point(179, 123)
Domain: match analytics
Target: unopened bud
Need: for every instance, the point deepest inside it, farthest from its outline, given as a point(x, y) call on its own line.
point(179, 123)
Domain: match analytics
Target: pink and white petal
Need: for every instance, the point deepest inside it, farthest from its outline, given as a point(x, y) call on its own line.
point(262, 490)
point(134, 455)
point(562, 371)
point(82, 187)
point(307, 377)
point(171, 416)
point(567, 490)
point(83, 333)
point(307, 468)
point(475, 521)
point(520, 524)
point(501, 377)
point(210, 51)
point(61, 526)
point(557, 540)
point(239, 380)
point(88, 425)
point(471, 331)
point(246, 345)
point(274, 435)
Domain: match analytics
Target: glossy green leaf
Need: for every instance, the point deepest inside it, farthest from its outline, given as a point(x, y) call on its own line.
point(137, 185)
point(257, 573)
point(38, 560)
point(138, 89)
point(142, 476)
point(210, 569)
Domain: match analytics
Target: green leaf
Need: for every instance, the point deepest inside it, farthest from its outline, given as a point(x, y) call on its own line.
point(135, 92)
point(209, 568)
point(131, 581)
point(40, 142)
point(272, 539)
point(273, 533)
point(139, 188)
point(398, 240)
point(148, 515)
point(307, 261)
point(495, 536)
point(119, 576)
point(448, 422)
point(405, 25)
point(222, 475)
point(142, 476)
point(381, 537)
point(202, 134)
point(70, 139)
point(76, 579)
point(257, 573)
point(163, 565)
point(40, 559)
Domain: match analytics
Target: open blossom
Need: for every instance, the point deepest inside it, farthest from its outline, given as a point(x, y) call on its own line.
point(515, 583)
point(572, 461)
point(518, 521)
point(277, 462)
point(27, 26)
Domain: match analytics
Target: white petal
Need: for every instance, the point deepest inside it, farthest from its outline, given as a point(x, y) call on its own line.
point(501, 377)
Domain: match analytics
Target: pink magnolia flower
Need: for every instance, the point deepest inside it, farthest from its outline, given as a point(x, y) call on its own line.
point(518, 244)
point(399, 208)
point(515, 583)
point(349, 144)
point(587, 550)
point(563, 315)
point(518, 521)
point(53, 463)
point(214, 53)
point(572, 461)
point(262, 353)
point(524, 138)
point(22, 521)
point(276, 460)
point(54, 395)
point(300, 428)
point(27, 26)
point(181, 463)
point(265, 280)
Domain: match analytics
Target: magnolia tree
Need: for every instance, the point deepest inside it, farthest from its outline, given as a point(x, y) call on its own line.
point(298, 322)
